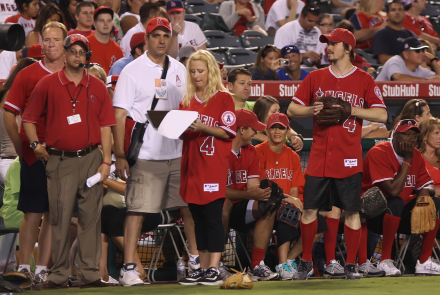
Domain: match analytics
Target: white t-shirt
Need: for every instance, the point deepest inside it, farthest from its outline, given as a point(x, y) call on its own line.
point(280, 11)
point(7, 60)
point(396, 64)
point(125, 42)
point(293, 33)
point(135, 92)
point(27, 24)
point(192, 35)
point(7, 9)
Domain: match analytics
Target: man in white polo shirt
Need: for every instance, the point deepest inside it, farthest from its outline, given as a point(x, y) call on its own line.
point(154, 180)
point(282, 12)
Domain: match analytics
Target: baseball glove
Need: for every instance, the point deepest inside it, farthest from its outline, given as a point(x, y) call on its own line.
point(240, 280)
point(7, 287)
point(335, 111)
point(373, 203)
point(289, 214)
point(423, 215)
point(18, 279)
point(276, 196)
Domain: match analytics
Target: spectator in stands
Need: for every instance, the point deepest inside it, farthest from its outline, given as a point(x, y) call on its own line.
point(387, 42)
point(27, 9)
point(188, 33)
point(111, 84)
point(343, 6)
point(107, 51)
point(116, 19)
point(304, 34)
point(267, 63)
point(242, 15)
point(326, 23)
point(131, 17)
point(239, 84)
point(427, 64)
point(406, 66)
point(282, 12)
point(49, 12)
point(8, 59)
point(148, 11)
point(138, 47)
point(419, 24)
point(185, 52)
point(415, 109)
point(292, 71)
point(97, 71)
point(84, 19)
point(428, 143)
point(367, 20)
point(68, 7)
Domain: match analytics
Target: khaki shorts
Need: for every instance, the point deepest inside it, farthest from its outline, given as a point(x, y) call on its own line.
point(154, 186)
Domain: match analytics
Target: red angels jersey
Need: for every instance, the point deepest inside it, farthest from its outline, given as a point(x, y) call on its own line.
point(205, 158)
point(382, 163)
point(243, 165)
point(336, 150)
point(422, 25)
point(285, 168)
point(28, 24)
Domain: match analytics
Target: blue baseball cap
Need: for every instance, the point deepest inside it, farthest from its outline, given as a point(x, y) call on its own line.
point(289, 49)
point(174, 5)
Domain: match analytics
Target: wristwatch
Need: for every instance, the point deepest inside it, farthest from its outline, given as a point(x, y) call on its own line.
point(34, 145)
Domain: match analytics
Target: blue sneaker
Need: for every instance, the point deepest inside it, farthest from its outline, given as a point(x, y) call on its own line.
point(286, 272)
point(305, 269)
point(293, 264)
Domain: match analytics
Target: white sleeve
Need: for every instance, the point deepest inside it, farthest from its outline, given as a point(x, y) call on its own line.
point(125, 92)
point(199, 36)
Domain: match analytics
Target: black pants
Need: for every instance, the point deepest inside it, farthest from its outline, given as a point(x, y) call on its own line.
point(209, 229)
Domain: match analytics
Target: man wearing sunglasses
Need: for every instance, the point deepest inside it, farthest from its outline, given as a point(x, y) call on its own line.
point(406, 66)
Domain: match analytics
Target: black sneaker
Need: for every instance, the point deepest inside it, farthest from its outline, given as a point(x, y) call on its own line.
point(193, 278)
point(211, 277)
point(305, 269)
point(351, 272)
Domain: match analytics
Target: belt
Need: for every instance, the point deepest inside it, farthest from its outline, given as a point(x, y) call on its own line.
point(9, 158)
point(73, 154)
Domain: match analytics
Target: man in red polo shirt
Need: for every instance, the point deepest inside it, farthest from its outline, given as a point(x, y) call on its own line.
point(78, 113)
point(334, 172)
point(33, 189)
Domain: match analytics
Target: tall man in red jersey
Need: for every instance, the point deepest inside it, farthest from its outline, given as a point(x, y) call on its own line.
point(33, 189)
point(398, 169)
point(334, 171)
point(78, 112)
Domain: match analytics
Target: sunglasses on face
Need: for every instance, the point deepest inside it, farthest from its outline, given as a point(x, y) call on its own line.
point(419, 50)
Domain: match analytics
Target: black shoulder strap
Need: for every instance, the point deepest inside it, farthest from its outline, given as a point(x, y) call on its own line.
point(164, 75)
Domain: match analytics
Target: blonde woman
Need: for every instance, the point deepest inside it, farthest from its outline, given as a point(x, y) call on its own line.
point(429, 145)
point(205, 161)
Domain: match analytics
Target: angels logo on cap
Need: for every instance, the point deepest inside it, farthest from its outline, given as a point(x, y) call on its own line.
point(228, 118)
point(173, 4)
point(277, 118)
point(159, 22)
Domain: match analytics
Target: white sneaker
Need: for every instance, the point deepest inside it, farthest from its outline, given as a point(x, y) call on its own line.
point(389, 268)
point(429, 268)
point(193, 265)
point(112, 280)
point(286, 272)
point(262, 272)
point(225, 272)
point(129, 276)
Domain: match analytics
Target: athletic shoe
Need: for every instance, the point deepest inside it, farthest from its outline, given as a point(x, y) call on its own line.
point(334, 270)
point(351, 273)
point(293, 264)
point(305, 269)
point(193, 278)
point(429, 268)
point(112, 281)
point(211, 278)
point(129, 276)
point(368, 269)
point(390, 269)
point(193, 265)
point(41, 277)
point(72, 282)
point(225, 272)
point(30, 279)
point(286, 272)
point(262, 272)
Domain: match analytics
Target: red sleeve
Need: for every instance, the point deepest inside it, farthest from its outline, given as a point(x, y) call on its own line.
point(422, 177)
point(254, 164)
point(107, 113)
point(263, 161)
point(227, 118)
point(373, 95)
point(409, 25)
point(379, 166)
point(304, 94)
point(37, 102)
point(17, 95)
point(13, 19)
point(297, 175)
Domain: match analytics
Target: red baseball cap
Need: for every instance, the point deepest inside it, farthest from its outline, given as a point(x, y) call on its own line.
point(278, 118)
point(156, 23)
point(247, 118)
point(404, 125)
point(339, 35)
point(34, 51)
point(111, 81)
point(102, 9)
point(137, 39)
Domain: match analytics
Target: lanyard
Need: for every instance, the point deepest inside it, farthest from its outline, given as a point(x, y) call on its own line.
point(71, 98)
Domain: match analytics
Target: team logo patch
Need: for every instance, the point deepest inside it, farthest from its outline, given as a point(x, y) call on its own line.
point(178, 82)
point(161, 92)
point(319, 93)
point(378, 93)
point(173, 4)
point(350, 162)
point(210, 187)
point(159, 21)
point(228, 118)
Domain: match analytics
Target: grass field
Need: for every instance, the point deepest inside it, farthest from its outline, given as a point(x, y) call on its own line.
point(398, 286)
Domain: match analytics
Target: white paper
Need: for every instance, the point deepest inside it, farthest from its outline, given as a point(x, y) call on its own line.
point(176, 122)
point(91, 181)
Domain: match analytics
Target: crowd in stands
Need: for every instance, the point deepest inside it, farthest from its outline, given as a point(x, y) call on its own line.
point(88, 67)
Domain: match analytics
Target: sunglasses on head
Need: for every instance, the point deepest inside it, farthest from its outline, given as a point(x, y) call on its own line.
point(408, 122)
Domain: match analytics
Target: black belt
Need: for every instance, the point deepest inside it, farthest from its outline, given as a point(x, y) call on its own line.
point(77, 154)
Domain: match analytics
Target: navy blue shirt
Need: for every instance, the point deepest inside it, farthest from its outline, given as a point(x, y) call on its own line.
point(284, 77)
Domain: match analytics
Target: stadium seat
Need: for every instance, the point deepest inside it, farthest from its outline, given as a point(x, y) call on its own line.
point(230, 67)
point(195, 6)
point(431, 10)
point(218, 39)
point(369, 57)
point(220, 57)
point(337, 18)
point(195, 18)
point(236, 56)
point(324, 6)
point(255, 39)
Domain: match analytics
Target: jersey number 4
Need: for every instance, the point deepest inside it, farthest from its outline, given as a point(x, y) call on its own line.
point(350, 123)
point(208, 146)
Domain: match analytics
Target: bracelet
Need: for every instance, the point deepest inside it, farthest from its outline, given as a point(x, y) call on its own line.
point(409, 165)
point(435, 58)
point(300, 137)
point(108, 164)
